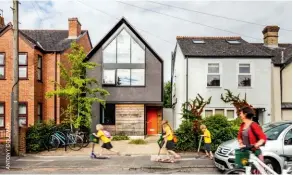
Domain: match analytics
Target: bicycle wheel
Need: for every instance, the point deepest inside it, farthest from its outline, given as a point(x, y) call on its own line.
point(75, 142)
point(53, 143)
point(86, 140)
point(236, 171)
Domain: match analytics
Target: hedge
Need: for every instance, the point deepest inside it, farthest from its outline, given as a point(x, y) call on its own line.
point(221, 130)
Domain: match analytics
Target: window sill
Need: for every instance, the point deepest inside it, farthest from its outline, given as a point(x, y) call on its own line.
point(244, 87)
point(23, 79)
point(3, 79)
point(40, 81)
point(214, 87)
point(128, 86)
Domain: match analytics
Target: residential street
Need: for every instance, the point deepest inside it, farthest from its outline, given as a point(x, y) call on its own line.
point(114, 165)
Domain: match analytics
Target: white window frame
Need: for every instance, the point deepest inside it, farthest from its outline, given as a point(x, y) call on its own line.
point(251, 75)
point(230, 109)
point(225, 112)
point(220, 74)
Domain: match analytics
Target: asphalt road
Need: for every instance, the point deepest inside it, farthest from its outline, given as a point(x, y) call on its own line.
point(115, 165)
point(109, 170)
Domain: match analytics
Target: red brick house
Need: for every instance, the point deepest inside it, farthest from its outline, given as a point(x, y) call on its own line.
point(39, 53)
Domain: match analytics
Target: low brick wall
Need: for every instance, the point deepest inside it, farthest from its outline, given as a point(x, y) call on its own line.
point(22, 140)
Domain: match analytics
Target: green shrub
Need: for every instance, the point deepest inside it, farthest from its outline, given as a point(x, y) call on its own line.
point(185, 136)
point(236, 122)
point(221, 129)
point(37, 134)
point(138, 142)
point(120, 137)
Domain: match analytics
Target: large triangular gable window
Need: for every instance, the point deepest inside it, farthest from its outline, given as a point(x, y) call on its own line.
point(123, 49)
point(124, 60)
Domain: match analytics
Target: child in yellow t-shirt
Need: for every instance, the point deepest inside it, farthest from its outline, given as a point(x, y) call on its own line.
point(168, 139)
point(106, 141)
point(207, 141)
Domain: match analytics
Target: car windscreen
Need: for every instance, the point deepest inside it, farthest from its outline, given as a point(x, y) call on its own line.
point(273, 131)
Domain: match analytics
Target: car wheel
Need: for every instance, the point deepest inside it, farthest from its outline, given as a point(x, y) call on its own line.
point(274, 165)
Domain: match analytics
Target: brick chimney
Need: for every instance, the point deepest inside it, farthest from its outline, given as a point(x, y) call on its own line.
point(270, 34)
point(74, 29)
point(2, 24)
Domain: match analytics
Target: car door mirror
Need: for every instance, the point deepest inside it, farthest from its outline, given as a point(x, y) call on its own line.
point(288, 141)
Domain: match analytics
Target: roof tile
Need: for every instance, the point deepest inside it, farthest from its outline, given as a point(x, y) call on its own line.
point(219, 47)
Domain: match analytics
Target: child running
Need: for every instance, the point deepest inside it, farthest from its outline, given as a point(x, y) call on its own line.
point(168, 139)
point(106, 141)
point(207, 141)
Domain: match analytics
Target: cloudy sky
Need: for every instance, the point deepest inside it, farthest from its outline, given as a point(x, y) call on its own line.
point(159, 24)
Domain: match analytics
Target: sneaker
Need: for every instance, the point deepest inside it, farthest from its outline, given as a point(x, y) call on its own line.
point(93, 156)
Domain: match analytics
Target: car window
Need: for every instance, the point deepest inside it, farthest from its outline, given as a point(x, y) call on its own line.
point(273, 131)
point(288, 138)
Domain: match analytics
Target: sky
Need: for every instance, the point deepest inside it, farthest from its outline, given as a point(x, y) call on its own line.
point(160, 31)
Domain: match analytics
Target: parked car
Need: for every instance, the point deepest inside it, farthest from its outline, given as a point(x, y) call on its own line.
point(279, 142)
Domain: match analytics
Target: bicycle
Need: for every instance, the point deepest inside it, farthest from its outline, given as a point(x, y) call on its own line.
point(74, 141)
point(248, 163)
point(85, 138)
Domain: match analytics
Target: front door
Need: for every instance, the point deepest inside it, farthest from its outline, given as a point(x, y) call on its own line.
point(152, 122)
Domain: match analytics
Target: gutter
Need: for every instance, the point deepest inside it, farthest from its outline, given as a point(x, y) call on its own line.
point(186, 78)
point(55, 87)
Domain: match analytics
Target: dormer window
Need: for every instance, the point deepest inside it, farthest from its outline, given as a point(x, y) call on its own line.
point(198, 41)
point(233, 41)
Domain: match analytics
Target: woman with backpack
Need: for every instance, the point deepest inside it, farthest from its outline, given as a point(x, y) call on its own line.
point(250, 133)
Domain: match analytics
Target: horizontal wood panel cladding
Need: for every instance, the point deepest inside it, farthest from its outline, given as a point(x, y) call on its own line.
point(130, 119)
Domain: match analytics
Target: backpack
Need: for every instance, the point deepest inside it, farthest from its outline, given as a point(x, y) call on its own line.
point(175, 140)
point(255, 135)
point(107, 134)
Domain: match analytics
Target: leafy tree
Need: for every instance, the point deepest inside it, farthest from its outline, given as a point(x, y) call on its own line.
point(167, 95)
point(80, 90)
point(191, 115)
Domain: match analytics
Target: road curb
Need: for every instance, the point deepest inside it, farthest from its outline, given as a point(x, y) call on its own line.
point(172, 168)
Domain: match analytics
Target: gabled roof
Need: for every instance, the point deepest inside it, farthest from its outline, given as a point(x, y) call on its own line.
point(277, 52)
point(48, 40)
point(219, 47)
point(112, 31)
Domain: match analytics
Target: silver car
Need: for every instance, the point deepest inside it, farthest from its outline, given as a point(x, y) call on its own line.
point(279, 143)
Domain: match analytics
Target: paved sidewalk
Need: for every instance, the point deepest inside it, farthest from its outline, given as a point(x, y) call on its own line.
point(151, 148)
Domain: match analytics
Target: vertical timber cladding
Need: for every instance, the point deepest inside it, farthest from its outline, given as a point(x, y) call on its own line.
point(130, 119)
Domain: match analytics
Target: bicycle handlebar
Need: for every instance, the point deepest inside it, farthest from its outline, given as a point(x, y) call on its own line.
point(247, 147)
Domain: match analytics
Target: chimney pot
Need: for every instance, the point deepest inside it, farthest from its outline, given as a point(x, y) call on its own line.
point(2, 24)
point(271, 35)
point(74, 29)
